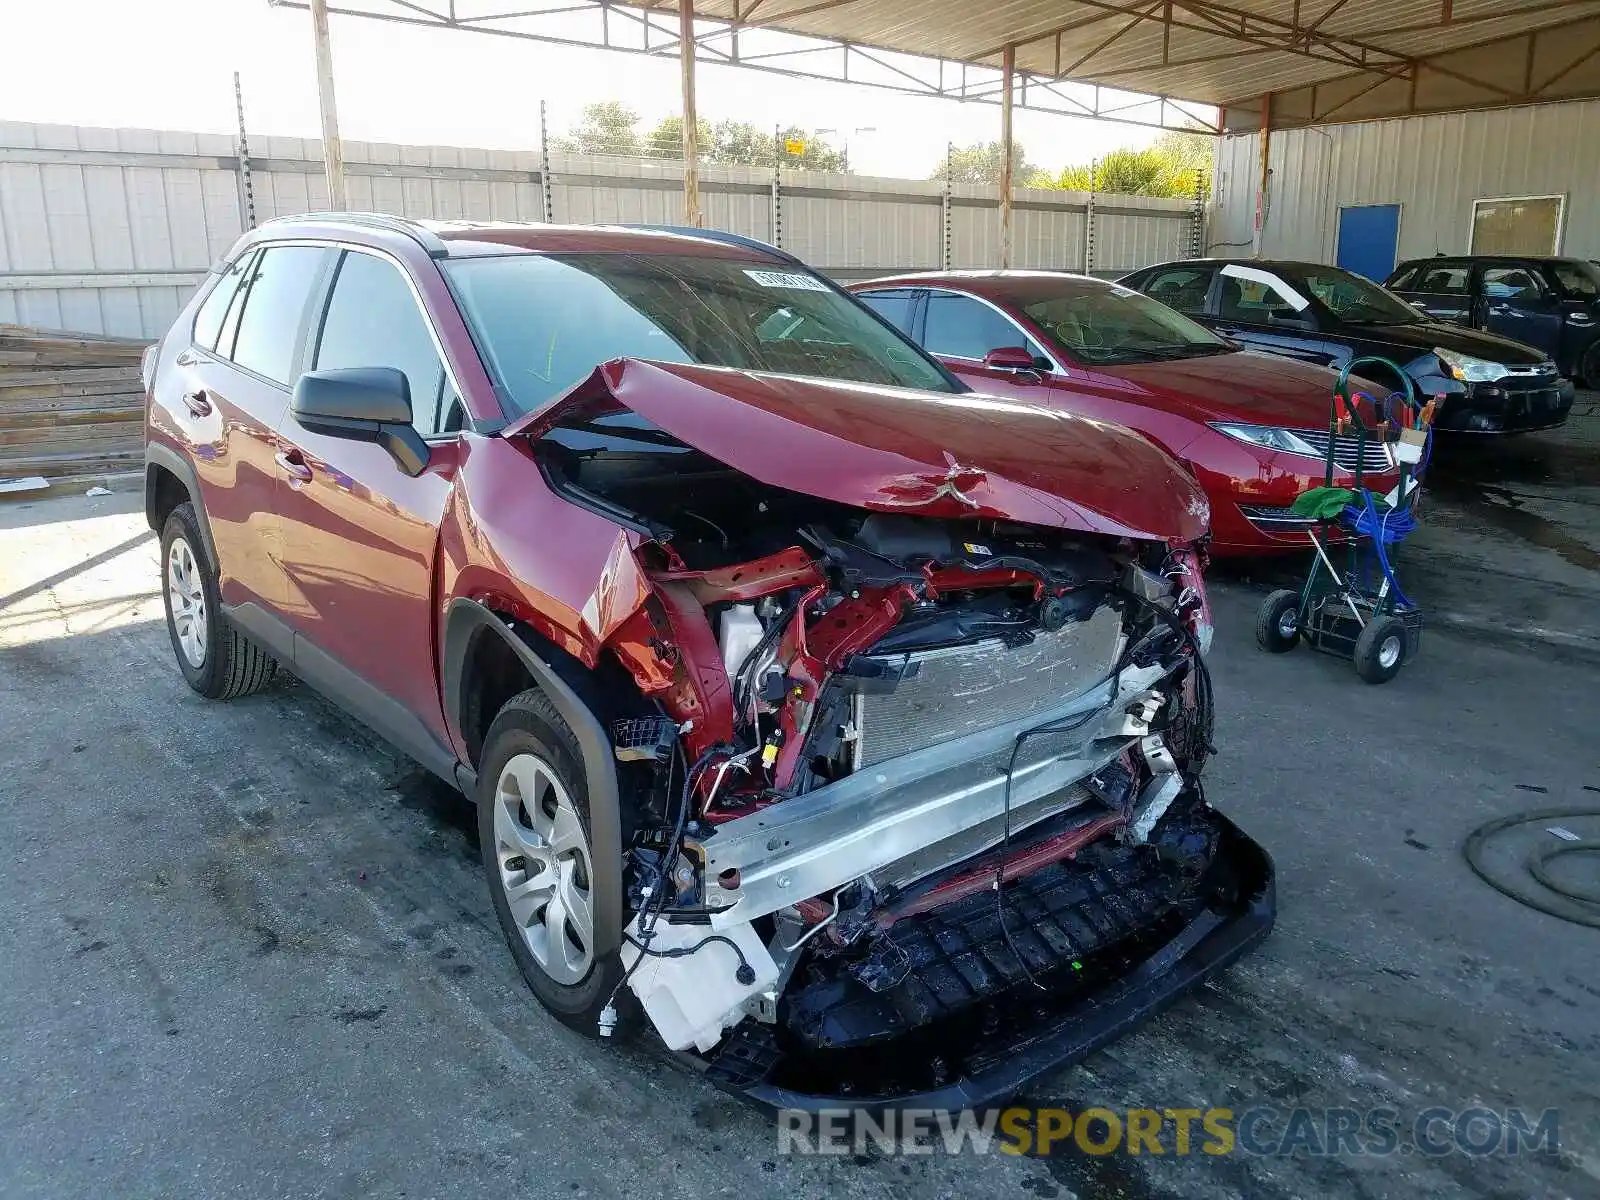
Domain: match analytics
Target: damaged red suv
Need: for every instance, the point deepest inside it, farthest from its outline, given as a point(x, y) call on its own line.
point(839, 724)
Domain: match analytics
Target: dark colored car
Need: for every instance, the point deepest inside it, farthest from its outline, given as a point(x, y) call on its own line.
point(764, 648)
point(1552, 304)
point(1485, 383)
point(1252, 427)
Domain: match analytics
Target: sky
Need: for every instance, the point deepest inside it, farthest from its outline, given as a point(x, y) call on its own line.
point(168, 64)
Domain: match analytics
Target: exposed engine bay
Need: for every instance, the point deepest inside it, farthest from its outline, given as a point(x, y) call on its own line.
point(901, 775)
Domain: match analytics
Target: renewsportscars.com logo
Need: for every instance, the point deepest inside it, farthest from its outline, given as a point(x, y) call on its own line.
point(1260, 1131)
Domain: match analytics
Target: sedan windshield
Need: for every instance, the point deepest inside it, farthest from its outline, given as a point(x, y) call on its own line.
point(1111, 324)
point(1351, 298)
point(545, 321)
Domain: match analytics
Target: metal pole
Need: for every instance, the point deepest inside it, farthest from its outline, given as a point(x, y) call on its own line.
point(1088, 219)
point(777, 186)
point(547, 204)
point(944, 207)
point(691, 123)
point(1008, 69)
point(1264, 176)
point(247, 190)
point(332, 149)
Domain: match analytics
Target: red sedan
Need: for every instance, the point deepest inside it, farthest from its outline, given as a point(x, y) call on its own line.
point(1252, 427)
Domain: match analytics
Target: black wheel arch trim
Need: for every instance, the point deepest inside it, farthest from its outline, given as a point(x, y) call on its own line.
point(158, 455)
point(465, 621)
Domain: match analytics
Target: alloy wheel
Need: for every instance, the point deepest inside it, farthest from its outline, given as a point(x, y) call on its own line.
point(186, 597)
point(543, 857)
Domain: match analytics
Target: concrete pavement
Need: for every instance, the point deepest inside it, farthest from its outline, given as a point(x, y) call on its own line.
point(249, 951)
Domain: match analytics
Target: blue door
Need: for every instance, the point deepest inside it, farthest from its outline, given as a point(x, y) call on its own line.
point(1368, 234)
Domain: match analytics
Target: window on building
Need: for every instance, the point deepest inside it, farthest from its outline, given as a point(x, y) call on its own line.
point(1517, 225)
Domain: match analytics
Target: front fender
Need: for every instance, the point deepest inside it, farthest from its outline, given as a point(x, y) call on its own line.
point(466, 621)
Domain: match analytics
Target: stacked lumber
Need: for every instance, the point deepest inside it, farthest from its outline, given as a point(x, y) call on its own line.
point(71, 406)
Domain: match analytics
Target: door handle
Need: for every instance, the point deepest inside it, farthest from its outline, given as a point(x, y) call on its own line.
point(293, 464)
point(197, 404)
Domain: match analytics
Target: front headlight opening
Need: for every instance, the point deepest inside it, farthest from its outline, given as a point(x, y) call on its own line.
point(1268, 437)
point(1469, 369)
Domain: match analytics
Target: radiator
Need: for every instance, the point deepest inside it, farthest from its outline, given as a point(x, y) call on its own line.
point(962, 689)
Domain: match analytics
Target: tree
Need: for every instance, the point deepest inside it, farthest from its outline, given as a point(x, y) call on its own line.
point(607, 127)
point(1167, 168)
point(666, 139)
point(980, 163)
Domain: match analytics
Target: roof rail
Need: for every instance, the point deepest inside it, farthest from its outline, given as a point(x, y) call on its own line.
point(424, 237)
point(718, 235)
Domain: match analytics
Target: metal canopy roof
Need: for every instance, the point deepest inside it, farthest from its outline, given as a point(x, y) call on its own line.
point(1322, 60)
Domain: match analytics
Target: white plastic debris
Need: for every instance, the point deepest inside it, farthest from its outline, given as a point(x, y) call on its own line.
point(1565, 834)
point(28, 483)
point(98, 491)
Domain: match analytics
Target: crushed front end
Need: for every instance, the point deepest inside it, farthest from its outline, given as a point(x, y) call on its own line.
point(915, 803)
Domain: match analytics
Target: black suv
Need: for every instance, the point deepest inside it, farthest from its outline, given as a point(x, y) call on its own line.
point(1552, 304)
point(1486, 383)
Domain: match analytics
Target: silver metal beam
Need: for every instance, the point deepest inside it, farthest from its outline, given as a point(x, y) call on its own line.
point(798, 56)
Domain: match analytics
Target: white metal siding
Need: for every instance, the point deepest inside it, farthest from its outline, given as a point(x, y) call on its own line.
point(1433, 167)
point(110, 230)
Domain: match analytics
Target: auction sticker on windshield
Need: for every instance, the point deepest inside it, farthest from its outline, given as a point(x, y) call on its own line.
point(787, 279)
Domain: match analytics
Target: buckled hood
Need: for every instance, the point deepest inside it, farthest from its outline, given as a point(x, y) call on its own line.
point(900, 450)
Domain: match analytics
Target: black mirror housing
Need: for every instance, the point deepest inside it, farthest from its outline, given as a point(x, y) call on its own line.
point(368, 404)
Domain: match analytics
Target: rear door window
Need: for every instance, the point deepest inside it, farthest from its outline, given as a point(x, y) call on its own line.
point(1442, 279)
point(1182, 288)
point(1402, 279)
point(373, 321)
point(274, 315)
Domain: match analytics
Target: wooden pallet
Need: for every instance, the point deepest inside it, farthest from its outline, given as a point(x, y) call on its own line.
point(71, 405)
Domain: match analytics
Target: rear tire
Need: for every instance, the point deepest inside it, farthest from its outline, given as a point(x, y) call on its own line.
point(534, 835)
point(1277, 622)
point(1589, 368)
point(216, 659)
point(1381, 650)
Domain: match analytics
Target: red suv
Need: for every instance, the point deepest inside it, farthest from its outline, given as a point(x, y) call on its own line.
point(816, 709)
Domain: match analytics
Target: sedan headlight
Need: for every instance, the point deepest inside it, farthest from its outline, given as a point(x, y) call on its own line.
point(1468, 369)
point(1268, 438)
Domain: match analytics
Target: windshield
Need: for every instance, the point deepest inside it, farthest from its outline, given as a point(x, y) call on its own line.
point(1112, 324)
point(1351, 298)
point(544, 322)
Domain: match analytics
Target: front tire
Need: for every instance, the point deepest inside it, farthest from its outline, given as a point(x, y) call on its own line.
point(1278, 622)
point(216, 659)
point(534, 835)
point(1381, 650)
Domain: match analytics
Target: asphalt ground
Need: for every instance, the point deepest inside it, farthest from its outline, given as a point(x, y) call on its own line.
point(248, 950)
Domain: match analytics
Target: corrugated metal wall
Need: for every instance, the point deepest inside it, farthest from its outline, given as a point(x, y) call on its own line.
point(109, 230)
point(1433, 167)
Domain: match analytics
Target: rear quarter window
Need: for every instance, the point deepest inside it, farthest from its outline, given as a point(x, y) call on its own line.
point(214, 308)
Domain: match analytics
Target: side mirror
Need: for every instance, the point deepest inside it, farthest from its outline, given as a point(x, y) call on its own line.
point(365, 404)
point(1010, 358)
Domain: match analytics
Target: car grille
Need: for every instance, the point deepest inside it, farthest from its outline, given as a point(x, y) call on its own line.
point(1542, 370)
point(1374, 456)
point(1265, 515)
point(964, 689)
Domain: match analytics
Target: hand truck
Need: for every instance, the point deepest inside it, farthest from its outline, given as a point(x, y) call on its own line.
point(1360, 613)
